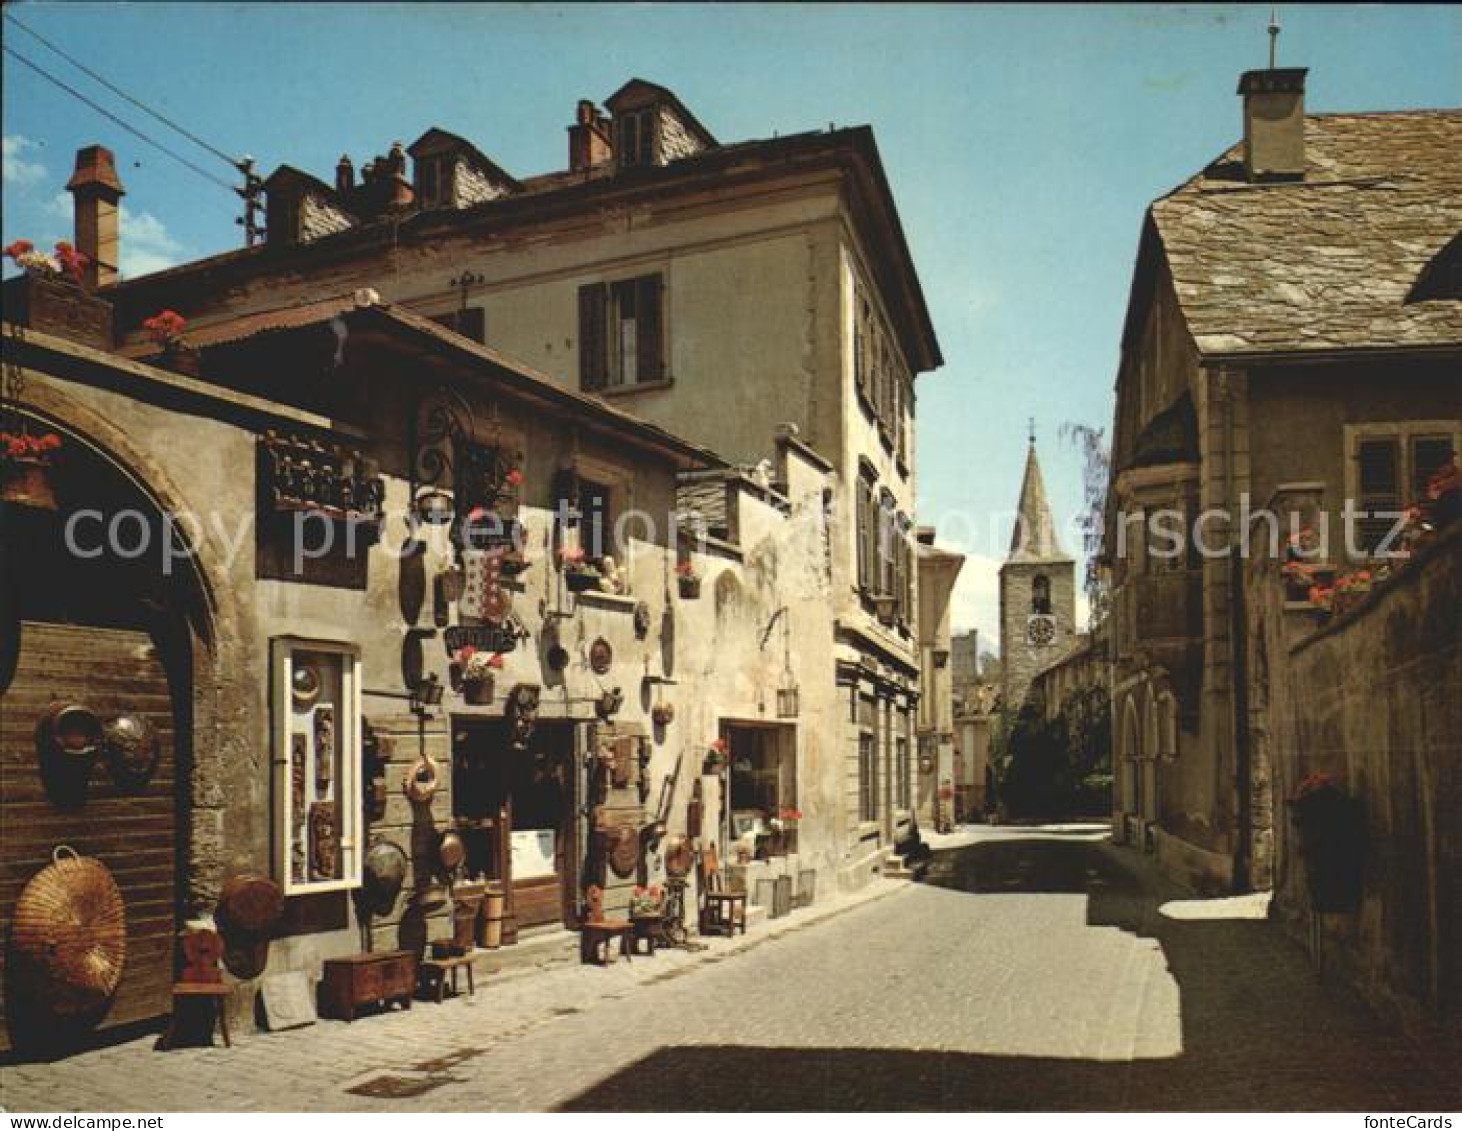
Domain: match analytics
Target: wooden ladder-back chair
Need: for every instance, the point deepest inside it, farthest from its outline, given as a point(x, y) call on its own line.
point(722, 911)
point(597, 934)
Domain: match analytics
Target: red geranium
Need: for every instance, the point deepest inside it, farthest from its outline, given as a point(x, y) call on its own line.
point(19, 248)
point(165, 327)
point(72, 261)
point(25, 446)
point(515, 478)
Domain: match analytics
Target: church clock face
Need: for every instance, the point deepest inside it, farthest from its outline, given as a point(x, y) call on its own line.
point(1040, 630)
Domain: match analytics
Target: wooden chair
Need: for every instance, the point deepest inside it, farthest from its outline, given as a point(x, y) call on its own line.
point(722, 911)
point(201, 981)
point(597, 934)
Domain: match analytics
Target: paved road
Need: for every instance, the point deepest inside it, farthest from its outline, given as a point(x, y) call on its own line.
point(1039, 969)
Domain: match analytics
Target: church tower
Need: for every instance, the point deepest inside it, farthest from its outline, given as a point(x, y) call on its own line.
point(1037, 590)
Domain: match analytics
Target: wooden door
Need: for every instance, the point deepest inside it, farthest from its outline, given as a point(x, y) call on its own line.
point(133, 831)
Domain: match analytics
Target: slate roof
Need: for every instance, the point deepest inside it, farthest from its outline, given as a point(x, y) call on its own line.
point(1034, 537)
point(1329, 262)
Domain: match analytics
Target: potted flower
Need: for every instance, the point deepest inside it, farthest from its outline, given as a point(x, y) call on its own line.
point(477, 669)
point(662, 714)
point(579, 573)
point(717, 757)
point(27, 466)
point(165, 329)
point(51, 295)
point(689, 581)
point(1331, 837)
point(647, 901)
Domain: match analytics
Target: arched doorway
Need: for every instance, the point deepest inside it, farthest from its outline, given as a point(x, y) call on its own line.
point(100, 609)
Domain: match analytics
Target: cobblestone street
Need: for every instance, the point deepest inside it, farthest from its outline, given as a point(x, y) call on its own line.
point(1038, 969)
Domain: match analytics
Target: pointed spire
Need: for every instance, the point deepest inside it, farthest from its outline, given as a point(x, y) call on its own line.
point(1034, 536)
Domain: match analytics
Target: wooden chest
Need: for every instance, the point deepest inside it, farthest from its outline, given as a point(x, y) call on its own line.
point(367, 979)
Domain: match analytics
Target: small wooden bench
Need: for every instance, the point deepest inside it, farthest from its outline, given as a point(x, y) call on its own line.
point(435, 973)
point(597, 934)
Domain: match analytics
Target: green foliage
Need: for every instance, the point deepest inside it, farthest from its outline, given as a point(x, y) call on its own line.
point(1060, 766)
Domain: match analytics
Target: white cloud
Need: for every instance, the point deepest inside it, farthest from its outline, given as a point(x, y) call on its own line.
point(977, 599)
point(60, 207)
point(147, 245)
point(16, 171)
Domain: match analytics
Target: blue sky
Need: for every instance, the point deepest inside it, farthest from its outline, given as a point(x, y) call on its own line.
point(1023, 144)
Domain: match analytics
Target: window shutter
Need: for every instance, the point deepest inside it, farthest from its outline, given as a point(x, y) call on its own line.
point(593, 342)
point(1380, 487)
point(1428, 455)
point(862, 535)
point(649, 332)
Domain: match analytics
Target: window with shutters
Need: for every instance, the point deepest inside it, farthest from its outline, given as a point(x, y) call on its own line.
point(436, 181)
point(1388, 470)
point(869, 772)
point(634, 140)
point(621, 333)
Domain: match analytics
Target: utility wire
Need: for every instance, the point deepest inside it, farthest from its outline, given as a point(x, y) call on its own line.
point(119, 92)
point(133, 130)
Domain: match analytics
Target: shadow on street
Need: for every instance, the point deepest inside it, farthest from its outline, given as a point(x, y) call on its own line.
point(1260, 1031)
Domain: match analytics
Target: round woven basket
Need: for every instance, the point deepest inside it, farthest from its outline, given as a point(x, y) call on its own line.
point(70, 934)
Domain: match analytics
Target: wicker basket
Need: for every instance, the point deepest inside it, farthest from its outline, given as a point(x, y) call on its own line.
point(70, 934)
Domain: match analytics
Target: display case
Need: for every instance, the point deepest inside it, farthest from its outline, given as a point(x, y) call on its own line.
point(315, 703)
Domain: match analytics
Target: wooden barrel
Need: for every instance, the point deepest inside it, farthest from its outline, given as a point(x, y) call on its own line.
point(492, 916)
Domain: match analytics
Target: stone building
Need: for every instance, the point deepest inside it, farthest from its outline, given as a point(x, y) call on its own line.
point(938, 571)
point(240, 548)
point(724, 291)
point(1037, 591)
point(1294, 319)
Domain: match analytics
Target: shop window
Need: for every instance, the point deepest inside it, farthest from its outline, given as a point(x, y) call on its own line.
point(763, 791)
point(316, 704)
point(621, 332)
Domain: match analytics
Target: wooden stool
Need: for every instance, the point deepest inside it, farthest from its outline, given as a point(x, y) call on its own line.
point(211, 992)
point(436, 971)
point(650, 930)
point(597, 934)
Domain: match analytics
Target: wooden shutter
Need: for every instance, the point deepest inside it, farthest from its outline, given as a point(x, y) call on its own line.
point(650, 328)
point(1380, 487)
point(593, 341)
point(1428, 455)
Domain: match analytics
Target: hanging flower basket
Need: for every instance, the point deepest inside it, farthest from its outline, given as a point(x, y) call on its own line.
point(717, 757)
point(1331, 832)
point(25, 464)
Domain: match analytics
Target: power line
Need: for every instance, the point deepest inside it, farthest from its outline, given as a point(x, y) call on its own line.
point(194, 138)
point(133, 130)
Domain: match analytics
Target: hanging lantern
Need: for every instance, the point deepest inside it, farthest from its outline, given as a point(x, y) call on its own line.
point(787, 701)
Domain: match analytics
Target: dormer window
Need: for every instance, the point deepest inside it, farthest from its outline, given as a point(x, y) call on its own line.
point(434, 181)
point(634, 142)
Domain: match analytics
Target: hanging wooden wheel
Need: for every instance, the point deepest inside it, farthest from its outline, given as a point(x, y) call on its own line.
point(70, 934)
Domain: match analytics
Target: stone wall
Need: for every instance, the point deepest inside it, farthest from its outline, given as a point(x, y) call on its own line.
point(1021, 660)
point(1375, 696)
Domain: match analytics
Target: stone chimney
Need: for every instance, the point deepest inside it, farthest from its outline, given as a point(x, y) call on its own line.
point(96, 191)
point(1274, 123)
point(344, 174)
point(589, 138)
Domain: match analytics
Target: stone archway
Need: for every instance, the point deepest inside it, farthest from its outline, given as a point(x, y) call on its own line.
point(224, 653)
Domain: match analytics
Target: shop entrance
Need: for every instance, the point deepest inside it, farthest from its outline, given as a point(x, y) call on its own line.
point(517, 809)
point(761, 810)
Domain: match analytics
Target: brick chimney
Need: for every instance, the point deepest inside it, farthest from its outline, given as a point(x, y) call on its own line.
point(1274, 123)
point(96, 191)
point(344, 175)
point(589, 138)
